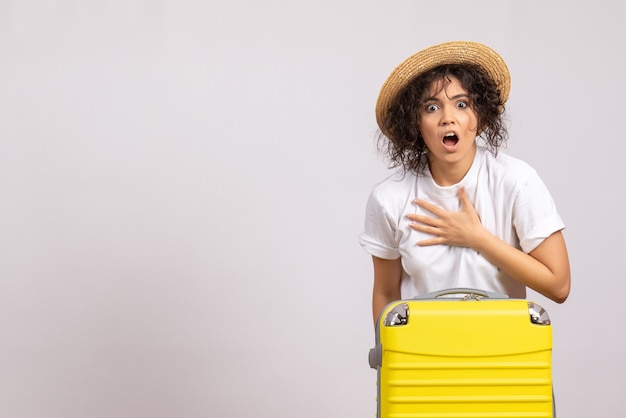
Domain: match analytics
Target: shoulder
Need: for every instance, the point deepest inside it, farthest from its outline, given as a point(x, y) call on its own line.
point(514, 180)
point(507, 168)
point(506, 162)
point(396, 186)
point(389, 197)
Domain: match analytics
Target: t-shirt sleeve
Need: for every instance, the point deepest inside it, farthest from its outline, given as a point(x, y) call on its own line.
point(536, 216)
point(379, 236)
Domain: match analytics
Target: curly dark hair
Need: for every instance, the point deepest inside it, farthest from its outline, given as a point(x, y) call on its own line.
point(402, 141)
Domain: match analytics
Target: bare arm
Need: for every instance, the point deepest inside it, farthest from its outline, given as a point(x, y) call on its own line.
point(545, 269)
point(387, 281)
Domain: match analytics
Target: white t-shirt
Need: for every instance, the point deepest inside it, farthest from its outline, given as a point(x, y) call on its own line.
point(512, 202)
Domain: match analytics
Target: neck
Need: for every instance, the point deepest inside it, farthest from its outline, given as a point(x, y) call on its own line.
point(449, 174)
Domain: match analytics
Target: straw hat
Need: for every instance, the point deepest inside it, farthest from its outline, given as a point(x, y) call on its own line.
point(455, 52)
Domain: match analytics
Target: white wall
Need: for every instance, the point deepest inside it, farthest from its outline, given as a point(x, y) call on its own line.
point(182, 185)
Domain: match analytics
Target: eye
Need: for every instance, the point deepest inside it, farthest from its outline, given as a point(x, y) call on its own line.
point(431, 108)
point(462, 104)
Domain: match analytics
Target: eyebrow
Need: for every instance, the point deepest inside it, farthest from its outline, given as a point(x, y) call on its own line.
point(456, 96)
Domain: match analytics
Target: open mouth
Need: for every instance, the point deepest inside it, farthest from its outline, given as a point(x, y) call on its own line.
point(450, 139)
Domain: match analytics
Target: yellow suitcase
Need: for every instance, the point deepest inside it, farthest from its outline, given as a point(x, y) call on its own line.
point(463, 353)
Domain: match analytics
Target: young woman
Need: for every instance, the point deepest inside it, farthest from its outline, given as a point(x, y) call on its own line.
point(456, 213)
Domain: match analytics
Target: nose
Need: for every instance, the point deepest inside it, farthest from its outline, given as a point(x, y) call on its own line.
point(447, 115)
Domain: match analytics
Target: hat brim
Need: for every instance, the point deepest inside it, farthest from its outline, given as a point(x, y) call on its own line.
point(455, 52)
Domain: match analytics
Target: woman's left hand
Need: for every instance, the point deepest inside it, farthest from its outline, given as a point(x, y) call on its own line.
point(460, 228)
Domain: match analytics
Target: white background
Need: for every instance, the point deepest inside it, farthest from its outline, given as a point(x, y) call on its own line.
point(183, 183)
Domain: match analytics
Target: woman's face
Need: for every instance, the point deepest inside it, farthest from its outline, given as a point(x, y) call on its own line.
point(449, 127)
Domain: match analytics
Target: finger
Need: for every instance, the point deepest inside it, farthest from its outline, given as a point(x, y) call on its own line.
point(466, 203)
point(429, 206)
point(431, 241)
point(431, 230)
point(464, 198)
point(428, 220)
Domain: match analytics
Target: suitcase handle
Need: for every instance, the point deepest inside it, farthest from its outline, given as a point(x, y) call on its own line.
point(469, 292)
